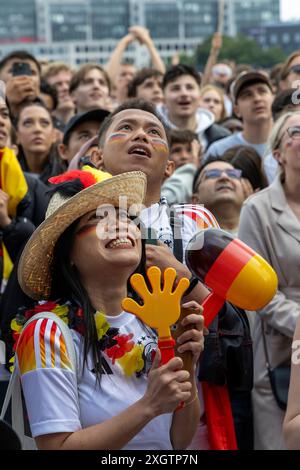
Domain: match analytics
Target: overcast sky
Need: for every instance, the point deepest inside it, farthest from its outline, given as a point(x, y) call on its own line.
point(289, 10)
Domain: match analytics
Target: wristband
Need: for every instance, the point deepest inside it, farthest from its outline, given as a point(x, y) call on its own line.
point(193, 282)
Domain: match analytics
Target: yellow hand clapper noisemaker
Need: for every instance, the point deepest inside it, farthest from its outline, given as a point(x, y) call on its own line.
point(161, 307)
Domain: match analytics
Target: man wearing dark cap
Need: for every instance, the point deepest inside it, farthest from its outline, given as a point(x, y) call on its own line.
point(252, 96)
point(79, 129)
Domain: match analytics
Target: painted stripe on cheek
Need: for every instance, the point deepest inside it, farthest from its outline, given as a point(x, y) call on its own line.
point(86, 230)
point(115, 137)
point(160, 144)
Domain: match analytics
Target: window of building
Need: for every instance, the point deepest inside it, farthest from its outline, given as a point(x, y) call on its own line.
point(273, 38)
point(286, 38)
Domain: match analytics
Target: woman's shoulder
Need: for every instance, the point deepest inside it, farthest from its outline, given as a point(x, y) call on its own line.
point(42, 325)
point(261, 198)
point(261, 195)
point(44, 345)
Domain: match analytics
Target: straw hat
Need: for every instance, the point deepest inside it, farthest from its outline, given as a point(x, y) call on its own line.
point(34, 270)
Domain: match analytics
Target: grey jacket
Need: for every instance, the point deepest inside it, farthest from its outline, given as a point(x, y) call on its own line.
point(271, 228)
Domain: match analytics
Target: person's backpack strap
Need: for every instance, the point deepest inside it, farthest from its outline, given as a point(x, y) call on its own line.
point(13, 392)
point(11, 385)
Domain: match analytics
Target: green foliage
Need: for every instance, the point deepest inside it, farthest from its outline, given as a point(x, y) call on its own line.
point(242, 50)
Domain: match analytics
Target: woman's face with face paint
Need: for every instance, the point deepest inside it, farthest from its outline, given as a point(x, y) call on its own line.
point(106, 241)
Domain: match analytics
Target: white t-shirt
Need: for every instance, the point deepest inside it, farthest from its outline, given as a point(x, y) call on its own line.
point(192, 217)
point(58, 402)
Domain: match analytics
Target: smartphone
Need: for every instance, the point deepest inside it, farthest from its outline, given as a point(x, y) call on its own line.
point(20, 68)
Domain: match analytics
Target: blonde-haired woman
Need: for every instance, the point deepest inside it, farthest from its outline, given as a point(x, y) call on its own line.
point(270, 223)
point(212, 98)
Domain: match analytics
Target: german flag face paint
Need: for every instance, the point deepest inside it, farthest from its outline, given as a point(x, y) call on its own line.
point(231, 269)
point(160, 145)
point(116, 137)
point(86, 230)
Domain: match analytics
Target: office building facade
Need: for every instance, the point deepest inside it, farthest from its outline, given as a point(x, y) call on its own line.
point(78, 31)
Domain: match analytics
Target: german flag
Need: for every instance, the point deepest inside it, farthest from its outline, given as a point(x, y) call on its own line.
point(231, 269)
point(13, 183)
point(42, 346)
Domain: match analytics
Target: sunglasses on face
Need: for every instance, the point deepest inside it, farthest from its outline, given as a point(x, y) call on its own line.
point(295, 69)
point(232, 173)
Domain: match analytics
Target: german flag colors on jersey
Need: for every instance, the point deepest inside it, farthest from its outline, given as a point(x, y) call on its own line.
point(42, 346)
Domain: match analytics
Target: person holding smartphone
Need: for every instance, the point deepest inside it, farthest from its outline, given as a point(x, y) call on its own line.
point(21, 72)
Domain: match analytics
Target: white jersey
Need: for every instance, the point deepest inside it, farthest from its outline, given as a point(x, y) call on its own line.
point(192, 218)
point(59, 401)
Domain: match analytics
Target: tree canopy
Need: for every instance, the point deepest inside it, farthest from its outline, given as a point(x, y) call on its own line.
point(242, 50)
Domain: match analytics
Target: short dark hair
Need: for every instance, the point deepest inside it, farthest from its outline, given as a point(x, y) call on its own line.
point(178, 136)
point(22, 55)
point(50, 90)
point(283, 102)
point(79, 76)
point(247, 159)
point(134, 103)
point(177, 71)
point(140, 77)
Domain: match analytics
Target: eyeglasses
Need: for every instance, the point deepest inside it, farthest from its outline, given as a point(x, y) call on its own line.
point(215, 173)
point(295, 69)
point(293, 133)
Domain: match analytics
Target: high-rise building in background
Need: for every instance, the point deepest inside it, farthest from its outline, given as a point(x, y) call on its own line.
point(78, 31)
point(250, 13)
point(68, 21)
point(180, 19)
point(109, 18)
point(285, 35)
point(18, 21)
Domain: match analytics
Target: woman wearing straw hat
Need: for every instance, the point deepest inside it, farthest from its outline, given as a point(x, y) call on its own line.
point(83, 255)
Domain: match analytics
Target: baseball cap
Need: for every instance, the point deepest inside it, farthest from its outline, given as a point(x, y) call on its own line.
point(92, 115)
point(248, 78)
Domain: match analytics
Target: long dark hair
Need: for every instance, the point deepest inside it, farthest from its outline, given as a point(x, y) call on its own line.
point(53, 165)
point(66, 284)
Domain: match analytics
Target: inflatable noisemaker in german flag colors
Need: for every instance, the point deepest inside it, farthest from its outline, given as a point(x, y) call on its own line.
point(236, 273)
point(232, 270)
